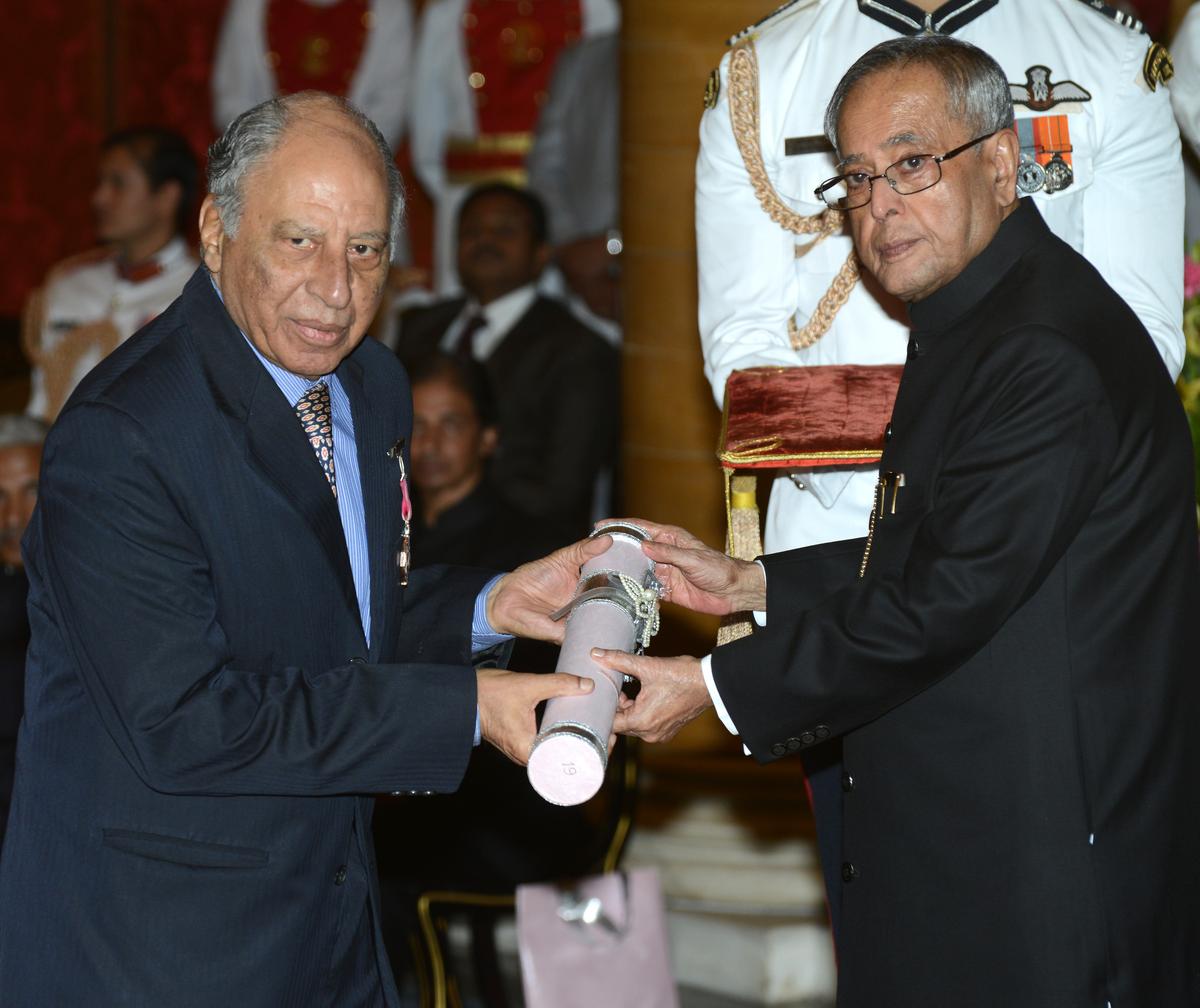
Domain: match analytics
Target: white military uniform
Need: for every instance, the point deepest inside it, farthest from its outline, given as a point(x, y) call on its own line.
point(1185, 87)
point(444, 108)
point(242, 75)
point(1185, 99)
point(85, 310)
point(1123, 208)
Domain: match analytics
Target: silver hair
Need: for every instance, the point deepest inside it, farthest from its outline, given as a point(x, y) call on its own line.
point(977, 91)
point(18, 429)
point(253, 136)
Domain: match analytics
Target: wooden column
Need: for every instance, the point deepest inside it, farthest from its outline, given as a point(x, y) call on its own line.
point(669, 468)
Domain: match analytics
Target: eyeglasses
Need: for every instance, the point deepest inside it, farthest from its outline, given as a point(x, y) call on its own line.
point(909, 175)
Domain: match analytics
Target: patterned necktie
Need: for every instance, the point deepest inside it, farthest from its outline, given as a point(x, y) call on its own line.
point(315, 418)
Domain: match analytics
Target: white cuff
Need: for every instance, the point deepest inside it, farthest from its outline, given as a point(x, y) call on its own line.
point(718, 705)
point(760, 615)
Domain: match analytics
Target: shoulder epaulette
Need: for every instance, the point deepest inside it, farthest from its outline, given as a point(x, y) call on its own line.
point(78, 261)
point(762, 22)
point(1123, 19)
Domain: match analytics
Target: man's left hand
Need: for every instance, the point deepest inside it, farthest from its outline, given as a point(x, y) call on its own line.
point(520, 603)
point(672, 694)
point(507, 701)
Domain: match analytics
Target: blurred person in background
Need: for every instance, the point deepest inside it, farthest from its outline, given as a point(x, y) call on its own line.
point(21, 440)
point(90, 303)
point(574, 167)
point(554, 379)
point(481, 73)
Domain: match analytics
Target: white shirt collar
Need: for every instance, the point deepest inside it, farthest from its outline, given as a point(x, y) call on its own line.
point(500, 317)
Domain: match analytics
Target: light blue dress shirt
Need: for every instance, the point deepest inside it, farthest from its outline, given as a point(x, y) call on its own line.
point(350, 502)
point(350, 498)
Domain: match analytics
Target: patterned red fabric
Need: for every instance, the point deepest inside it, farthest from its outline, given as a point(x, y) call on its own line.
point(163, 62)
point(316, 47)
point(82, 69)
point(804, 417)
point(54, 118)
point(514, 45)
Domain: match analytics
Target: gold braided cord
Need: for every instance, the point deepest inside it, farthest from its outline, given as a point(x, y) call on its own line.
point(830, 304)
point(744, 542)
point(743, 114)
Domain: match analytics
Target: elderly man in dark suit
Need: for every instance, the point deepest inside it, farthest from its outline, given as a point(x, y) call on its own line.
point(555, 379)
point(1010, 656)
point(226, 659)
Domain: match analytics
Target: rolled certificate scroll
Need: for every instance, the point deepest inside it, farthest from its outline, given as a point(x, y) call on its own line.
point(615, 606)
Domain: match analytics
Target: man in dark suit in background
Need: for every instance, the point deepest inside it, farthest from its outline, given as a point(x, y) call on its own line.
point(1010, 656)
point(21, 440)
point(459, 516)
point(225, 660)
point(555, 380)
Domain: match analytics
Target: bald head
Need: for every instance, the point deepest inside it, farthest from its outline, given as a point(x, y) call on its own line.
point(256, 134)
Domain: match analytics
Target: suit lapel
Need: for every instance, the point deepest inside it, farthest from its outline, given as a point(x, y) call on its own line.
point(513, 349)
point(275, 443)
point(375, 431)
point(278, 447)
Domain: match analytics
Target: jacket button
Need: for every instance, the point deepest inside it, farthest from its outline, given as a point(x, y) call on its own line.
point(356, 660)
point(849, 872)
point(847, 782)
point(340, 875)
point(793, 744)
point(807, 738)
point(822, 731)
point(887, 433)
point(779, 749)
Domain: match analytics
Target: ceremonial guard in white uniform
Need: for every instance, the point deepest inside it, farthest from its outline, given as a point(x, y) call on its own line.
point(89, 305)
point(482, 71)
point(146, 180)
point(359, 49)
point(778, 282)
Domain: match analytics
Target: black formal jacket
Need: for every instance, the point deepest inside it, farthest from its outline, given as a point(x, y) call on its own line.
point(203, 714)
point(14, 638)
point(557, 391)
point(1015, 678)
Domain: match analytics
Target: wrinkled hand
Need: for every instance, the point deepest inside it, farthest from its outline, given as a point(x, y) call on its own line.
point(700, 578)
point(506, 706)
point(672, 694)
point(520, 603)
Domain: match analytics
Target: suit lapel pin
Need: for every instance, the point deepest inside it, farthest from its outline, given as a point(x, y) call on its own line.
point(403, 555)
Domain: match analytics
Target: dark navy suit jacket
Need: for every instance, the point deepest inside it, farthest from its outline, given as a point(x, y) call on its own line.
point(204, 717)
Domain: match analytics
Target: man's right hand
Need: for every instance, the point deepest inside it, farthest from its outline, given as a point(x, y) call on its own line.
point(507, 701)
point(700, 578)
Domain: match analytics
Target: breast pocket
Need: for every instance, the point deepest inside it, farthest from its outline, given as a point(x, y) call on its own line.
point(810, 163)
point(817, 259)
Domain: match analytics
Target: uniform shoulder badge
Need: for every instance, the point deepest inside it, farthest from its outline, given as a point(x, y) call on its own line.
point(1157, 67)
point(712, 89)
point(1040, 93)
point(1123, 19)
